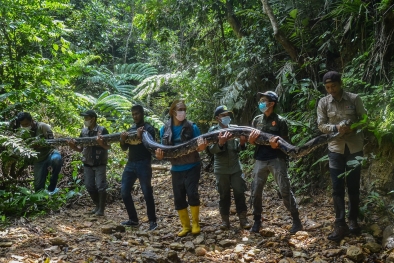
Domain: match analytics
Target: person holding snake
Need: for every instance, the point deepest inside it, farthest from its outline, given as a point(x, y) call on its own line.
point(186, 169)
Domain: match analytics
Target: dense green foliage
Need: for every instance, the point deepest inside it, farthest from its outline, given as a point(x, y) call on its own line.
point(59, 57)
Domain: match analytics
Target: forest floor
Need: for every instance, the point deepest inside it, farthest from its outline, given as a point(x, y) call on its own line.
point(72, 235)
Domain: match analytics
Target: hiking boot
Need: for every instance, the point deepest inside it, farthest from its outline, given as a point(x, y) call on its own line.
point(340, 231)
point(354, 228)
point(256, 226)
point(243, 220)
point(297, 225)
point(152, 225)
point(225, 222)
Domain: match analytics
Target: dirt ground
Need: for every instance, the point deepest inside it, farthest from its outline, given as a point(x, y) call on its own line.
point(72, 235)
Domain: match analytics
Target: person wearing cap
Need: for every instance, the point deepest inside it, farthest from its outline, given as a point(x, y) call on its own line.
point(186, 169)
point(228, 170)
point(332, 110)
point(138, 167)
point(47, 156)
point(270, 159)
point(94, 160)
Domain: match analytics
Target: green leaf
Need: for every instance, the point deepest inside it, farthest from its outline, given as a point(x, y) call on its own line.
point(293, 13)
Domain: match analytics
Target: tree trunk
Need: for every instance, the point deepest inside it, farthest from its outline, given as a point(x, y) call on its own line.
point(278, 34)
point(233, 20)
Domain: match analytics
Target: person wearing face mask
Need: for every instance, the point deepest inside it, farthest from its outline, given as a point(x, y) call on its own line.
point(47, 156)
point(94, 160)
point(270, 159)
point(228, 170)
point(186, 169)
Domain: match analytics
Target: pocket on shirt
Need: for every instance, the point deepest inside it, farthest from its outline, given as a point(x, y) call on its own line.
point(331, 114)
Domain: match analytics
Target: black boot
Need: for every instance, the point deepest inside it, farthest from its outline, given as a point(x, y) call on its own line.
point(297, 225)
point(354, 201)
point(95, 198)
point(225, 222)
point(339, 207)
point(256, 226)
point(354, 228)
point(243, 220)
point(340, 231)
point(102, 199)
point(340, 227)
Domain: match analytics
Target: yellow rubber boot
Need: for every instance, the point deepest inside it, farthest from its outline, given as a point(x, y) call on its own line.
point(195, 210)
point(185, 221)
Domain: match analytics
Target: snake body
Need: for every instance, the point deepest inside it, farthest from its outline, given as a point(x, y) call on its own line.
point(91, 141)
point(192, 145)
point(237, 131)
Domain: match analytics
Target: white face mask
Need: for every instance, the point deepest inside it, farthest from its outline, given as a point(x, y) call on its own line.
point(180, 115)
point(86, 123)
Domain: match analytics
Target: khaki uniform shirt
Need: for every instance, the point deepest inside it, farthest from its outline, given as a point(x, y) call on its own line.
point(226, 158)
point(331, 112)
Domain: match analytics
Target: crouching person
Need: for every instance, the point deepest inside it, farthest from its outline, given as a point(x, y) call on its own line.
point(94, 160)
point(47, 156)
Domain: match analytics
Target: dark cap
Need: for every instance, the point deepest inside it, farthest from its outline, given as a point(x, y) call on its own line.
point(90, 113)
point(331, 76)
point(221, 109)
point(272, 96)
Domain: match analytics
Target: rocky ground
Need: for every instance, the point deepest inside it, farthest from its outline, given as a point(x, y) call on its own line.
point(72, 235)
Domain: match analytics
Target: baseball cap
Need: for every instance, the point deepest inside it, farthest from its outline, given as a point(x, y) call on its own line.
point(90, 113)
point(221, 109)
point(331, 76)
point(272, 96)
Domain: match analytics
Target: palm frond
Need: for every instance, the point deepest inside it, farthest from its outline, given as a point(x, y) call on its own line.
point(88, 98)
point(113, 104)
point(153, 84)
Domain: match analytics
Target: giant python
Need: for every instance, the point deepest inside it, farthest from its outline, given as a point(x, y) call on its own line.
point(211, 138)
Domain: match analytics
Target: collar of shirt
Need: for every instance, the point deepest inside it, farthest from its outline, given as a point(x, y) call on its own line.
point(270, 117)
point(137, 126)
point(344, 97)
point(95, 128)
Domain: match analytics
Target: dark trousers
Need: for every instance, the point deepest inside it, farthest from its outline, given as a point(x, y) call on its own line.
point(53, 160)
point(142, 171)
point(185, 183)
point(341, 175)
point(224, 183)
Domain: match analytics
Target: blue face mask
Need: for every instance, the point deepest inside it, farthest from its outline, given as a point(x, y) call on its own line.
point(263, 106)
point(225, 120)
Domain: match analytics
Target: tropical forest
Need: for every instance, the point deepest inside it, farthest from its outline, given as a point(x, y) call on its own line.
point(102, 69)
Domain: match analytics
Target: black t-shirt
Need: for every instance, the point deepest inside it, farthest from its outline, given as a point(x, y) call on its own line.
point(139, 152)
point(273, 124)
